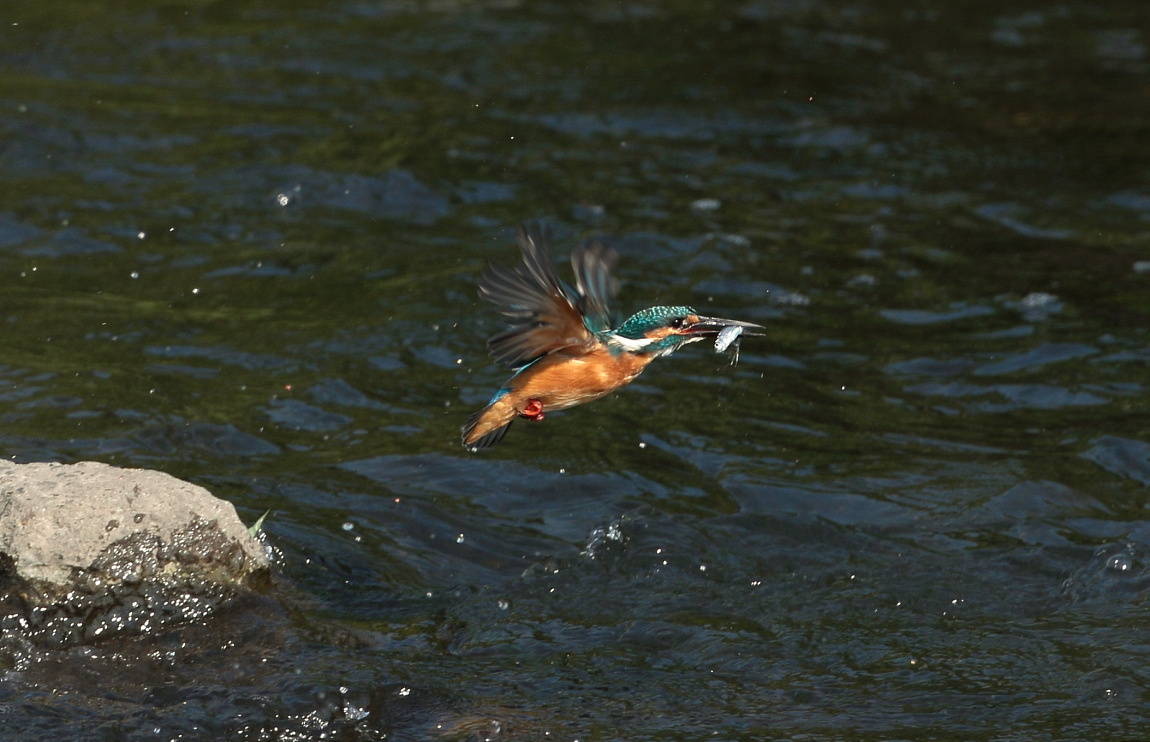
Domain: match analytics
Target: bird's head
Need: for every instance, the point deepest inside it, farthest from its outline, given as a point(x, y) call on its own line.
point(663, 330)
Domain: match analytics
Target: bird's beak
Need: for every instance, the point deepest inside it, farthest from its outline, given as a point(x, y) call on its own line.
point(708, 326)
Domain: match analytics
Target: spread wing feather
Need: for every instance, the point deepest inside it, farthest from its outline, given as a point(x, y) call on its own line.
point(594, 283)
point(546, 314)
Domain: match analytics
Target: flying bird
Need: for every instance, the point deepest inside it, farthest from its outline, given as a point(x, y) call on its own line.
point(561, 343)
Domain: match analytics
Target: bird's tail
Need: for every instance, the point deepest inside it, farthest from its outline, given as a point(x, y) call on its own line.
point(488, 426)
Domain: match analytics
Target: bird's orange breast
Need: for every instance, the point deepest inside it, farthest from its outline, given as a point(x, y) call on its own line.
point(561, 380)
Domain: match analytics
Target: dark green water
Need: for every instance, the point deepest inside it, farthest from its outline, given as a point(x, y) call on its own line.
point(239, 243)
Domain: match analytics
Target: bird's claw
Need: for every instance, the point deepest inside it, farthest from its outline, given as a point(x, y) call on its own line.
point(532, 411)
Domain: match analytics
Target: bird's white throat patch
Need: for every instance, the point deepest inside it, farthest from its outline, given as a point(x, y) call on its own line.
point(659, 346)
point(628, 344)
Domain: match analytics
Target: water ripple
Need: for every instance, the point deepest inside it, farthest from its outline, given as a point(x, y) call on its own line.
point(1037, 358)
point(1121, 456)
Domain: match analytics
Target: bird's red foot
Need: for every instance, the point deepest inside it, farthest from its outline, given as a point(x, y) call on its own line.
point(533, 410)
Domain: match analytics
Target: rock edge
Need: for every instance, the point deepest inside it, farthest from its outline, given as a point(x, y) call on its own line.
point(91, 526)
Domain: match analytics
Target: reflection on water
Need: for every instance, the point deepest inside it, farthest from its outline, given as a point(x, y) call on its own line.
point(241, 246)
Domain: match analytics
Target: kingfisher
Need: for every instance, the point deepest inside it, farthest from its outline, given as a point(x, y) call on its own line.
point(561, 342)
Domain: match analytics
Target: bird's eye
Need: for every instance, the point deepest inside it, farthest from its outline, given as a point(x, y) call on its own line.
point(677, 323)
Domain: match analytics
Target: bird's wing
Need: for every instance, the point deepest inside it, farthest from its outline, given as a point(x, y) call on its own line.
point(594, 283)
point(546, 314)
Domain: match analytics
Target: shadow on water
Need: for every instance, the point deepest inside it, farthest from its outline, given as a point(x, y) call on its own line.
point(240, 244)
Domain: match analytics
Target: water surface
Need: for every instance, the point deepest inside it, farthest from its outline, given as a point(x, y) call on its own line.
point(240, 244)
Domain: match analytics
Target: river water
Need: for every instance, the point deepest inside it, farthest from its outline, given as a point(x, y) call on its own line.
point(240, 243)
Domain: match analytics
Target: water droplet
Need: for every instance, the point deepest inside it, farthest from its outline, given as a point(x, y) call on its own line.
point(1119, 563)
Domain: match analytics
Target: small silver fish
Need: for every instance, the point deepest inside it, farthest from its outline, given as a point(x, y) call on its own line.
point(728, 337)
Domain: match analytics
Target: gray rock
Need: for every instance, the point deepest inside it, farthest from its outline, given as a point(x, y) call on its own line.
point(88, 550)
